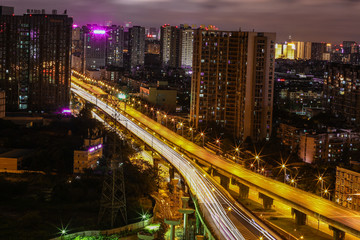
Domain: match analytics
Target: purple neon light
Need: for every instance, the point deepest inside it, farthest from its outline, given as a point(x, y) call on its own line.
point(95, 148)
point(99, 31)
point(66, 111)
point(75, 25)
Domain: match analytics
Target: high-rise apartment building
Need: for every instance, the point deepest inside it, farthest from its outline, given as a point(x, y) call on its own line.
point(318, 50)
point(342, 92)
point(136, 46)
point(35, 51)
point(293, 50)
point(170, 46)
point(232, 82)
point(114, 46)
point(103, 46)
point(187, 41)
point(350, 47)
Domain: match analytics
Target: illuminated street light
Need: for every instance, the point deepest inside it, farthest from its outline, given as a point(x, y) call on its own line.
point(165, 120)
point(238, 152)
point(321, 179)
point(257, 158)
point(173, 120)
point(218, 143)
point(182, 129)
point(283, 166)
point(203, 137)
point(293, 182)
point(192, 134)
point(327, 192)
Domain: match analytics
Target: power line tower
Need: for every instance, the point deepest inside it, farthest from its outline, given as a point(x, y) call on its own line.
point(113, 199)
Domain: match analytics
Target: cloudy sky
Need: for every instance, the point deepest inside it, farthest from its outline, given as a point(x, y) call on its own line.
point(305, 20)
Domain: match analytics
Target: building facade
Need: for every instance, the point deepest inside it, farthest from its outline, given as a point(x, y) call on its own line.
point(90, 154)
point(170, 46)
point(103, 46)
point(347, 188)
point(35, 52)
point(342, 92)
point(187, 42)
point(332, 146)
point(232, 82)
point(137, 46)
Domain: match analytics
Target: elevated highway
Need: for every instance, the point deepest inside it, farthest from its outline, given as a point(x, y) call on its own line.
point(338, 217)
point(225, 217)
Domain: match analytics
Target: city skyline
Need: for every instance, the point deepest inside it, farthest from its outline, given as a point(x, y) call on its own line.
point(322, 21)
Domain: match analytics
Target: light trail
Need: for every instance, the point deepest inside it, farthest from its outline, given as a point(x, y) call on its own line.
point(213, 204)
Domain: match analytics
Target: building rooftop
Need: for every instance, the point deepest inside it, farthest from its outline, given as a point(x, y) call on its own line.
point(16, 153)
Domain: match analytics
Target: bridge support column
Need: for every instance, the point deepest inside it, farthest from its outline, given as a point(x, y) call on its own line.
point(300, 217)
point(186, 211)
point(171, 172)
point(224, 182)
point(210, 171)
point(243, 189)
point(337, 233)
point(172, 224)
point(267, 201)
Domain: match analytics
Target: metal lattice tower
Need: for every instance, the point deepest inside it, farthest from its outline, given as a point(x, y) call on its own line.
point(113, 199)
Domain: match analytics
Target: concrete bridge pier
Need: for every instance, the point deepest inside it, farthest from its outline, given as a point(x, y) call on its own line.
point(300, 217)
point(171, 172)
point(186, 211)
point(172, 224)
point(337, 233)
point(224, 182)
point(243, 189)
point(267, 201)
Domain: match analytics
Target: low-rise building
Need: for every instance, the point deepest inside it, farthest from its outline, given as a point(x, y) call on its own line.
point(160, 95)
point(289, 136)
point(332, 146)
point(88, 156)
point(12, 160)
point(347, 188)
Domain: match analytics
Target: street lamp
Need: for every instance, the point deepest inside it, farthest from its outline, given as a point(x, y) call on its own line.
point(238, 152)
point(283, 166)
point(173, 120)
point(321, 179)
point(192, 134)
point(218, 143)
point(153, 112)
point(203, 137)
point(258, 162)
point(293, 182)
point(165, 120)
point(327, 192)
point(182, 129)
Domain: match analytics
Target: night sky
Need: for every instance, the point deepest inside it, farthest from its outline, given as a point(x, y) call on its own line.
point(305, 20)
